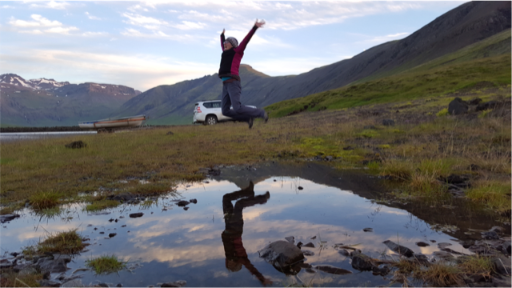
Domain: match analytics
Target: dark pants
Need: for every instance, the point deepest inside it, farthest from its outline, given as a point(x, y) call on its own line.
point(231, 97)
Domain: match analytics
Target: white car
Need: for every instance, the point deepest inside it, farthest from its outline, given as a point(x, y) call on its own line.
point(210, 112)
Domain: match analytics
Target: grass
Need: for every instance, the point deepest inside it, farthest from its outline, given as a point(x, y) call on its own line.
point(402, 87)
point(105, 264)
point(100, 205)
point(44, 200)
point(494, 194)
point(11, 279)
point(442, 113)
point(68, 242)
point(476, 264)
point(441, 275)
point(416, 154)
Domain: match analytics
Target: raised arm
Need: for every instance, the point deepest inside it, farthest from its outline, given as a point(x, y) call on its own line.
point(222, 39)
point(247, 38)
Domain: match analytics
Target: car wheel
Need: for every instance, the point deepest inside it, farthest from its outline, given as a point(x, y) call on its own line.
point(211, 120)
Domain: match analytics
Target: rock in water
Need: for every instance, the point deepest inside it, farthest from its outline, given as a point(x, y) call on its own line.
point(399, 248)
point(290, 239)
point(8, 217)
point(490, 235)
point(76, 145)
point(310, 245)
point(457, 107)
point(422, 244)
point(53, 266)
point(183, 203)
point(283, 255)
point(136, 215)
point(332, 270)
point(361, 262)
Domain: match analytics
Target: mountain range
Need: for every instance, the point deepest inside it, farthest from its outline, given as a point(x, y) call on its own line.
point(467, 24)
point(461, 27)
point(46, 102)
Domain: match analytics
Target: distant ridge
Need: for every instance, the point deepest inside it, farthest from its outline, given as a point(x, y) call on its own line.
point(46, 102)
point(465, 25)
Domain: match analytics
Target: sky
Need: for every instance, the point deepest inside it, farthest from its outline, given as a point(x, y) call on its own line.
point(146, 44)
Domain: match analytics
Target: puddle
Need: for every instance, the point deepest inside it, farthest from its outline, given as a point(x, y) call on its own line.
point(204, 248)
point(7, 137)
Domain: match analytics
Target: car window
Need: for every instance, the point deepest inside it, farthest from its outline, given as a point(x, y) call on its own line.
point(216, 104)
point(207, 105)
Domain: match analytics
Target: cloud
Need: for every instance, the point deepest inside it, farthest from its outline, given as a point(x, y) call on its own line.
point(141, 71)
point(95, 34)
point(385, 38)
point(91, 17)
point(51, 5)
point(42, 26)
point(280, 16)
point(144, 21)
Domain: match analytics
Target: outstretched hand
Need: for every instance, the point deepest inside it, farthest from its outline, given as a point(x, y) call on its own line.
point(260, 23)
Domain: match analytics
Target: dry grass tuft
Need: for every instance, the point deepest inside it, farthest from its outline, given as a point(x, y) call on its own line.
point(441, 275)
point(68, 242)
point(476, 264)
point(11, 279)
point(105, 264)
point(44, 200)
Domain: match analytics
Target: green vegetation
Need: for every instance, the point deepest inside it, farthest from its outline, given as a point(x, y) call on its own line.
point(100, 205)
point(68, 242)
point(441, 275)
point(44, 200)
point(444, 274)
point(476, 264)
point(412, 85)
point(11, 279)
point(415, 154)
point(465, 69)
point(105, 264)
point(495, 194)
point(442, 113)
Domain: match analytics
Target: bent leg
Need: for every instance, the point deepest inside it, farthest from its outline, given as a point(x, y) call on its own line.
point(242, 112)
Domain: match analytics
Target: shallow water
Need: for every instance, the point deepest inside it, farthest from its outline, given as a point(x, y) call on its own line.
point(4, 137)
point(169, 243)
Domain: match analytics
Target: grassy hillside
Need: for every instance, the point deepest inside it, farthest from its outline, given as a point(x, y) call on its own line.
point(486, 63)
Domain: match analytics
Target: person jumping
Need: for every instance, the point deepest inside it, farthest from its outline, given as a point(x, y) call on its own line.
point(232, 54)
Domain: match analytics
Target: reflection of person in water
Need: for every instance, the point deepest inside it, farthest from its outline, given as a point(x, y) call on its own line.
point(232, 235)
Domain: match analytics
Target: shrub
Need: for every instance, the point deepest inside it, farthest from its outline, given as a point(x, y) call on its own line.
point(443, 112)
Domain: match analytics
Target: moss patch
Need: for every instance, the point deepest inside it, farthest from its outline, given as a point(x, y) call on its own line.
point(105, 264)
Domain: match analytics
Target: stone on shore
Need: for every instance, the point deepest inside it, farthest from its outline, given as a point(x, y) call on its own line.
point(457, 107)
point(402, 250)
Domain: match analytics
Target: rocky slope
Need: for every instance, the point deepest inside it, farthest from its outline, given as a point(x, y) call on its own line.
point(46, 102)
point(465, 25)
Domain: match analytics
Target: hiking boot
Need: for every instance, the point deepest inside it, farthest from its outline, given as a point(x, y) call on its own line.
point(265, 116)
point(251, 121)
